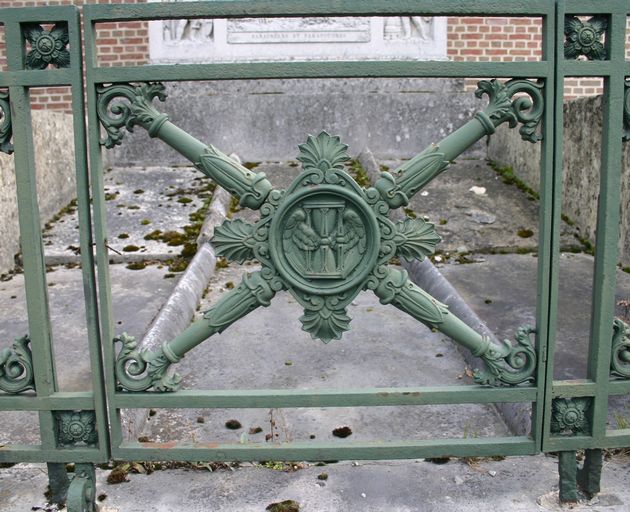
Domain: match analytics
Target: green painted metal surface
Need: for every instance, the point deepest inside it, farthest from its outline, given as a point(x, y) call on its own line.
point(324, 239)
point(28, 377)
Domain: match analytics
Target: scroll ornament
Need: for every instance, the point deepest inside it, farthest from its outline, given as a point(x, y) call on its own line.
point(16, 367)
point(620, 355)
point(6, 129)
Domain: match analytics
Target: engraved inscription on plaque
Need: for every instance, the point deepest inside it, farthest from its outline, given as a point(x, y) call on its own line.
point(298, 30)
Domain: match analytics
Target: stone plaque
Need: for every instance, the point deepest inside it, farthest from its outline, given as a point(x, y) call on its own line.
point(289, 39)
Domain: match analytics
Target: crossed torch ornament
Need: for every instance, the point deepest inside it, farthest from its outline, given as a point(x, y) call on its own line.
point(324, 239)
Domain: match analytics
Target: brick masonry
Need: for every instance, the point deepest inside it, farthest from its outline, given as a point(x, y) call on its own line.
point(469, 39)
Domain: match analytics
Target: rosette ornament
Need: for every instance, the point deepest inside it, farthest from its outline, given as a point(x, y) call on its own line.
point(47, 46)
point(568, 416)
point(584, 37)
point(76, 428)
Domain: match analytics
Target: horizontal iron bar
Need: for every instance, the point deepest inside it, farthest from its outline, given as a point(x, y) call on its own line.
point(34, 453)
point(612, 439)
point(577, 388)
point(37, 78)
point(327, 451)
point(572, 388)
point(290, 8)
point(41, 14)
point(582, 68)
point(590, 7)
point(339, 69)
point(619, 387)
point(66, 401)
point(618, 438)
point(269, 398)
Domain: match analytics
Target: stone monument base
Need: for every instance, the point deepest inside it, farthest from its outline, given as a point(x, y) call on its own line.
point(267, 119)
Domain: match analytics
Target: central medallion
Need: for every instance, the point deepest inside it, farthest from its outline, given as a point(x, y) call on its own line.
point(324, 239)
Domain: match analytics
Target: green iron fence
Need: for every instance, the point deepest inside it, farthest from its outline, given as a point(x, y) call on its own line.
point(322, 276)
point(72, 425)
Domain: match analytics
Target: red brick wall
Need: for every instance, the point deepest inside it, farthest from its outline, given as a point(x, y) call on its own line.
point(468, 39)
point(119, 44)
point(510, 39)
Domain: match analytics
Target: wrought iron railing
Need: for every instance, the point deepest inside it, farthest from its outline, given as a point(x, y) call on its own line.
point(324, 239)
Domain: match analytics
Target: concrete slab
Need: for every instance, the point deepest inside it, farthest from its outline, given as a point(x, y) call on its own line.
point(501, 289)
point(502, 218)
point(139, 201)
point(518, 484)
point(268, 350)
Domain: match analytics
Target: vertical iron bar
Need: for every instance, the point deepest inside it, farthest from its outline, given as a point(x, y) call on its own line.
point(31, 237)
point(567, 470)
point(604, 280)
point(548, 245)
point(58, 482)
point(85, 233)
point(553, 186)
point(99, 211)
point(589, 476)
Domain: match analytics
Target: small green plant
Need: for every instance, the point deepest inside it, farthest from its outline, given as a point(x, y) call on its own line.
point(621, 421)
point(137, 265)
point(358, 173)
point(410, 213)
point(509, 178)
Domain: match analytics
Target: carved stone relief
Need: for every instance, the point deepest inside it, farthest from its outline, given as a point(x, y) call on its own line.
point(284, 39)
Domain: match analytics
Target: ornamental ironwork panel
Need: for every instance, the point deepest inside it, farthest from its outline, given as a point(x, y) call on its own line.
point(324, 238)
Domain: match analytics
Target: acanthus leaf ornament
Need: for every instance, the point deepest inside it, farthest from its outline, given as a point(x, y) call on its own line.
point(47, 46)
point(584, 37)
point(508, 364)
point(415, 239)
point(16, 367)
point(325, 318)
point(6, 128)
point(235, 241)
point(620, 354)
point(323, 152)
point(568, 416)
